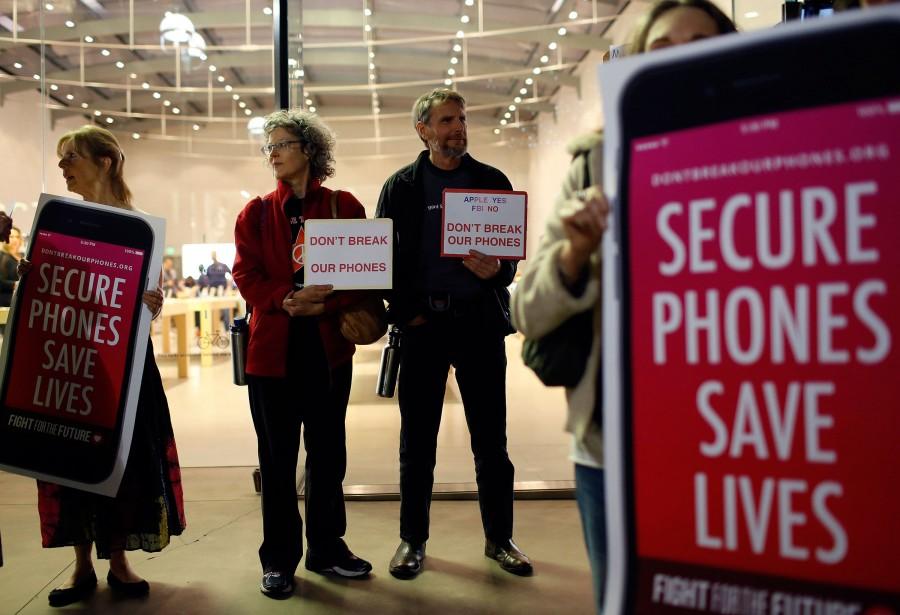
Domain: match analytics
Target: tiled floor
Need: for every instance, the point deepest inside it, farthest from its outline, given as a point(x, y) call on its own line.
point(213, 567)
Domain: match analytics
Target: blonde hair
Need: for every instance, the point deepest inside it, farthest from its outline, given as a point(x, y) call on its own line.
point(95, 143)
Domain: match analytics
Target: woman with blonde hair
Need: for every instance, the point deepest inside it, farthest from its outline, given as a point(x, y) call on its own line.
point(562, 278)
point(149, 509)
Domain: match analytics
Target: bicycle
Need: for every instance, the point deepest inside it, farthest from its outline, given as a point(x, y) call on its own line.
point(213, 339)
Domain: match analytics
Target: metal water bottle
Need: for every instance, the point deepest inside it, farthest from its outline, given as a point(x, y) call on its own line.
point(240, 335)
point(390, 364)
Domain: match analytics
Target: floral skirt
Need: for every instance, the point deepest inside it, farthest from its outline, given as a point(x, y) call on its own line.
point(149, 508)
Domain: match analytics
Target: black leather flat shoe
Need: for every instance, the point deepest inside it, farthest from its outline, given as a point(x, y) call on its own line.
point(510, 557)
point(81, 590)
point(127, 590)
point(407, 561)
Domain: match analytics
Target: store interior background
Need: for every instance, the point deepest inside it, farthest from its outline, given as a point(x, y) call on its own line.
point(198, 168)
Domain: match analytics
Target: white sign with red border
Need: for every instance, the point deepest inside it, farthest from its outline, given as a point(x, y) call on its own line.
point(490, 221)
point(349, 254)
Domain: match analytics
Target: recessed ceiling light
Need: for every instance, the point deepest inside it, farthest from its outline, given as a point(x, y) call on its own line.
point(70, 23)
point(470, 2)
point(88, 39)
point(512, 107)
point(242, 104)
point(228, 88)
point(267, 10)
point(120, 64)
point(367, 12)
point(221, 78)
point(249, 112)
point(145, 85)
point(212, 68)
point(309, 101)
point(507, 115)
point(371, 66)
point(311, 110)
point(133, 75)
point(17, 64)
point(460, 34)
point(371, 76)
point(503, 122)
point(104, 52)
point(751, 14)
point(454, 60)
point(109, 120)
point(36, 76)
point(235, 97)
point(545, 59)
point(529, 81)
point(552, 46)
point(48, 6)
point(167, 103)
point(536, 70)
point(371, 55)
point(84, 105)
point(451, 71)
point(496, 131)
point(196, 126)
point(368, 28)
point(573, 15)
point(70, 97)
point(457, 47)
point(448, 81)
point(135, 136)
point(157, 95)
point(464, 19)
point(176, 110)
point(97, 113)
point(523, 91)
point(518, 99)
point(54, 87)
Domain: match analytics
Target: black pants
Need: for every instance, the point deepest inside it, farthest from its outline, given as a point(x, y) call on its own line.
point(279, 407)
point(477, 351)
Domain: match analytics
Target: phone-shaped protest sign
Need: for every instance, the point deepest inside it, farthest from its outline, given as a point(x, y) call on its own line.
point(758, 323)
point(75, 345)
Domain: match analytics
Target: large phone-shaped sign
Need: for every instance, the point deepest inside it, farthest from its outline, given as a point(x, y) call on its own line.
point(74, 347)
point(757, 376)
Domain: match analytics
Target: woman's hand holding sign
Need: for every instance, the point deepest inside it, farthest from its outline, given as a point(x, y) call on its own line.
point(308, 301)
point(583, 224)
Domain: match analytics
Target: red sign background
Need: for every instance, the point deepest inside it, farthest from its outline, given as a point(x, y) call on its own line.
point(73, 329)
point(815, 487)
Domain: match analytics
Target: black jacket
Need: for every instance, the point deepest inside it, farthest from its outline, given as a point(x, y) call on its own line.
point(403, 201)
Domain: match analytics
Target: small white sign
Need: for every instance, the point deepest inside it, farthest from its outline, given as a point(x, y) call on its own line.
point(490, 221)
point(349, 254)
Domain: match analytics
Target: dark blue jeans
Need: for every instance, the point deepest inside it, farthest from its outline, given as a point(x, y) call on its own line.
point(589, 490)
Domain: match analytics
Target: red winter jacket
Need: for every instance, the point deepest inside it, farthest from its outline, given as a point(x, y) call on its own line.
point(264, 274)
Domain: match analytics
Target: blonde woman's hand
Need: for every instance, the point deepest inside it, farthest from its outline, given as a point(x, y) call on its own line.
point(153, 299)
point(583, 224)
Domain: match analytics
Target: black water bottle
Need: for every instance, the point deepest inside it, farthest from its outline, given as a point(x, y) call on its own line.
point(240, 335)
point(390, 364)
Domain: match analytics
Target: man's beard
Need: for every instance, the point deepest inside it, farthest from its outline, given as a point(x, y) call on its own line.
point(449, 151)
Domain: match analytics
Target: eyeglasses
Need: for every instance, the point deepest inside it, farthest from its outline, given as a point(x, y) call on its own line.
point(281, 146)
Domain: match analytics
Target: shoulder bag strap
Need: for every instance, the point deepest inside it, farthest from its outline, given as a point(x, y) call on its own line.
point(334, 209)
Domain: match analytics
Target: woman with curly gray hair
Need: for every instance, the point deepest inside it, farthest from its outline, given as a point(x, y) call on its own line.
point(299, 366)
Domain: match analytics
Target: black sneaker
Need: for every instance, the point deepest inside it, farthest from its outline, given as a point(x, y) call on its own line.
point(341, 562)
point(276, 585)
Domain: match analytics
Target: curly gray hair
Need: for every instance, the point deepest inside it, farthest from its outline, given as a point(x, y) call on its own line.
point(316, 139)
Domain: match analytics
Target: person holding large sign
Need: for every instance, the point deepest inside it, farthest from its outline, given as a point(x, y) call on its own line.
point(451, 312)
point(299, 366)
point(149, 507)
point(563, 277)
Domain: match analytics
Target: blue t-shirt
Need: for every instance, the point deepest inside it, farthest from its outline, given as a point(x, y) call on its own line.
point(437, 273)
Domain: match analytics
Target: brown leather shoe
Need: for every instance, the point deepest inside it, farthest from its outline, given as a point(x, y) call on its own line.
point(510, 558)
point(407, 561)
